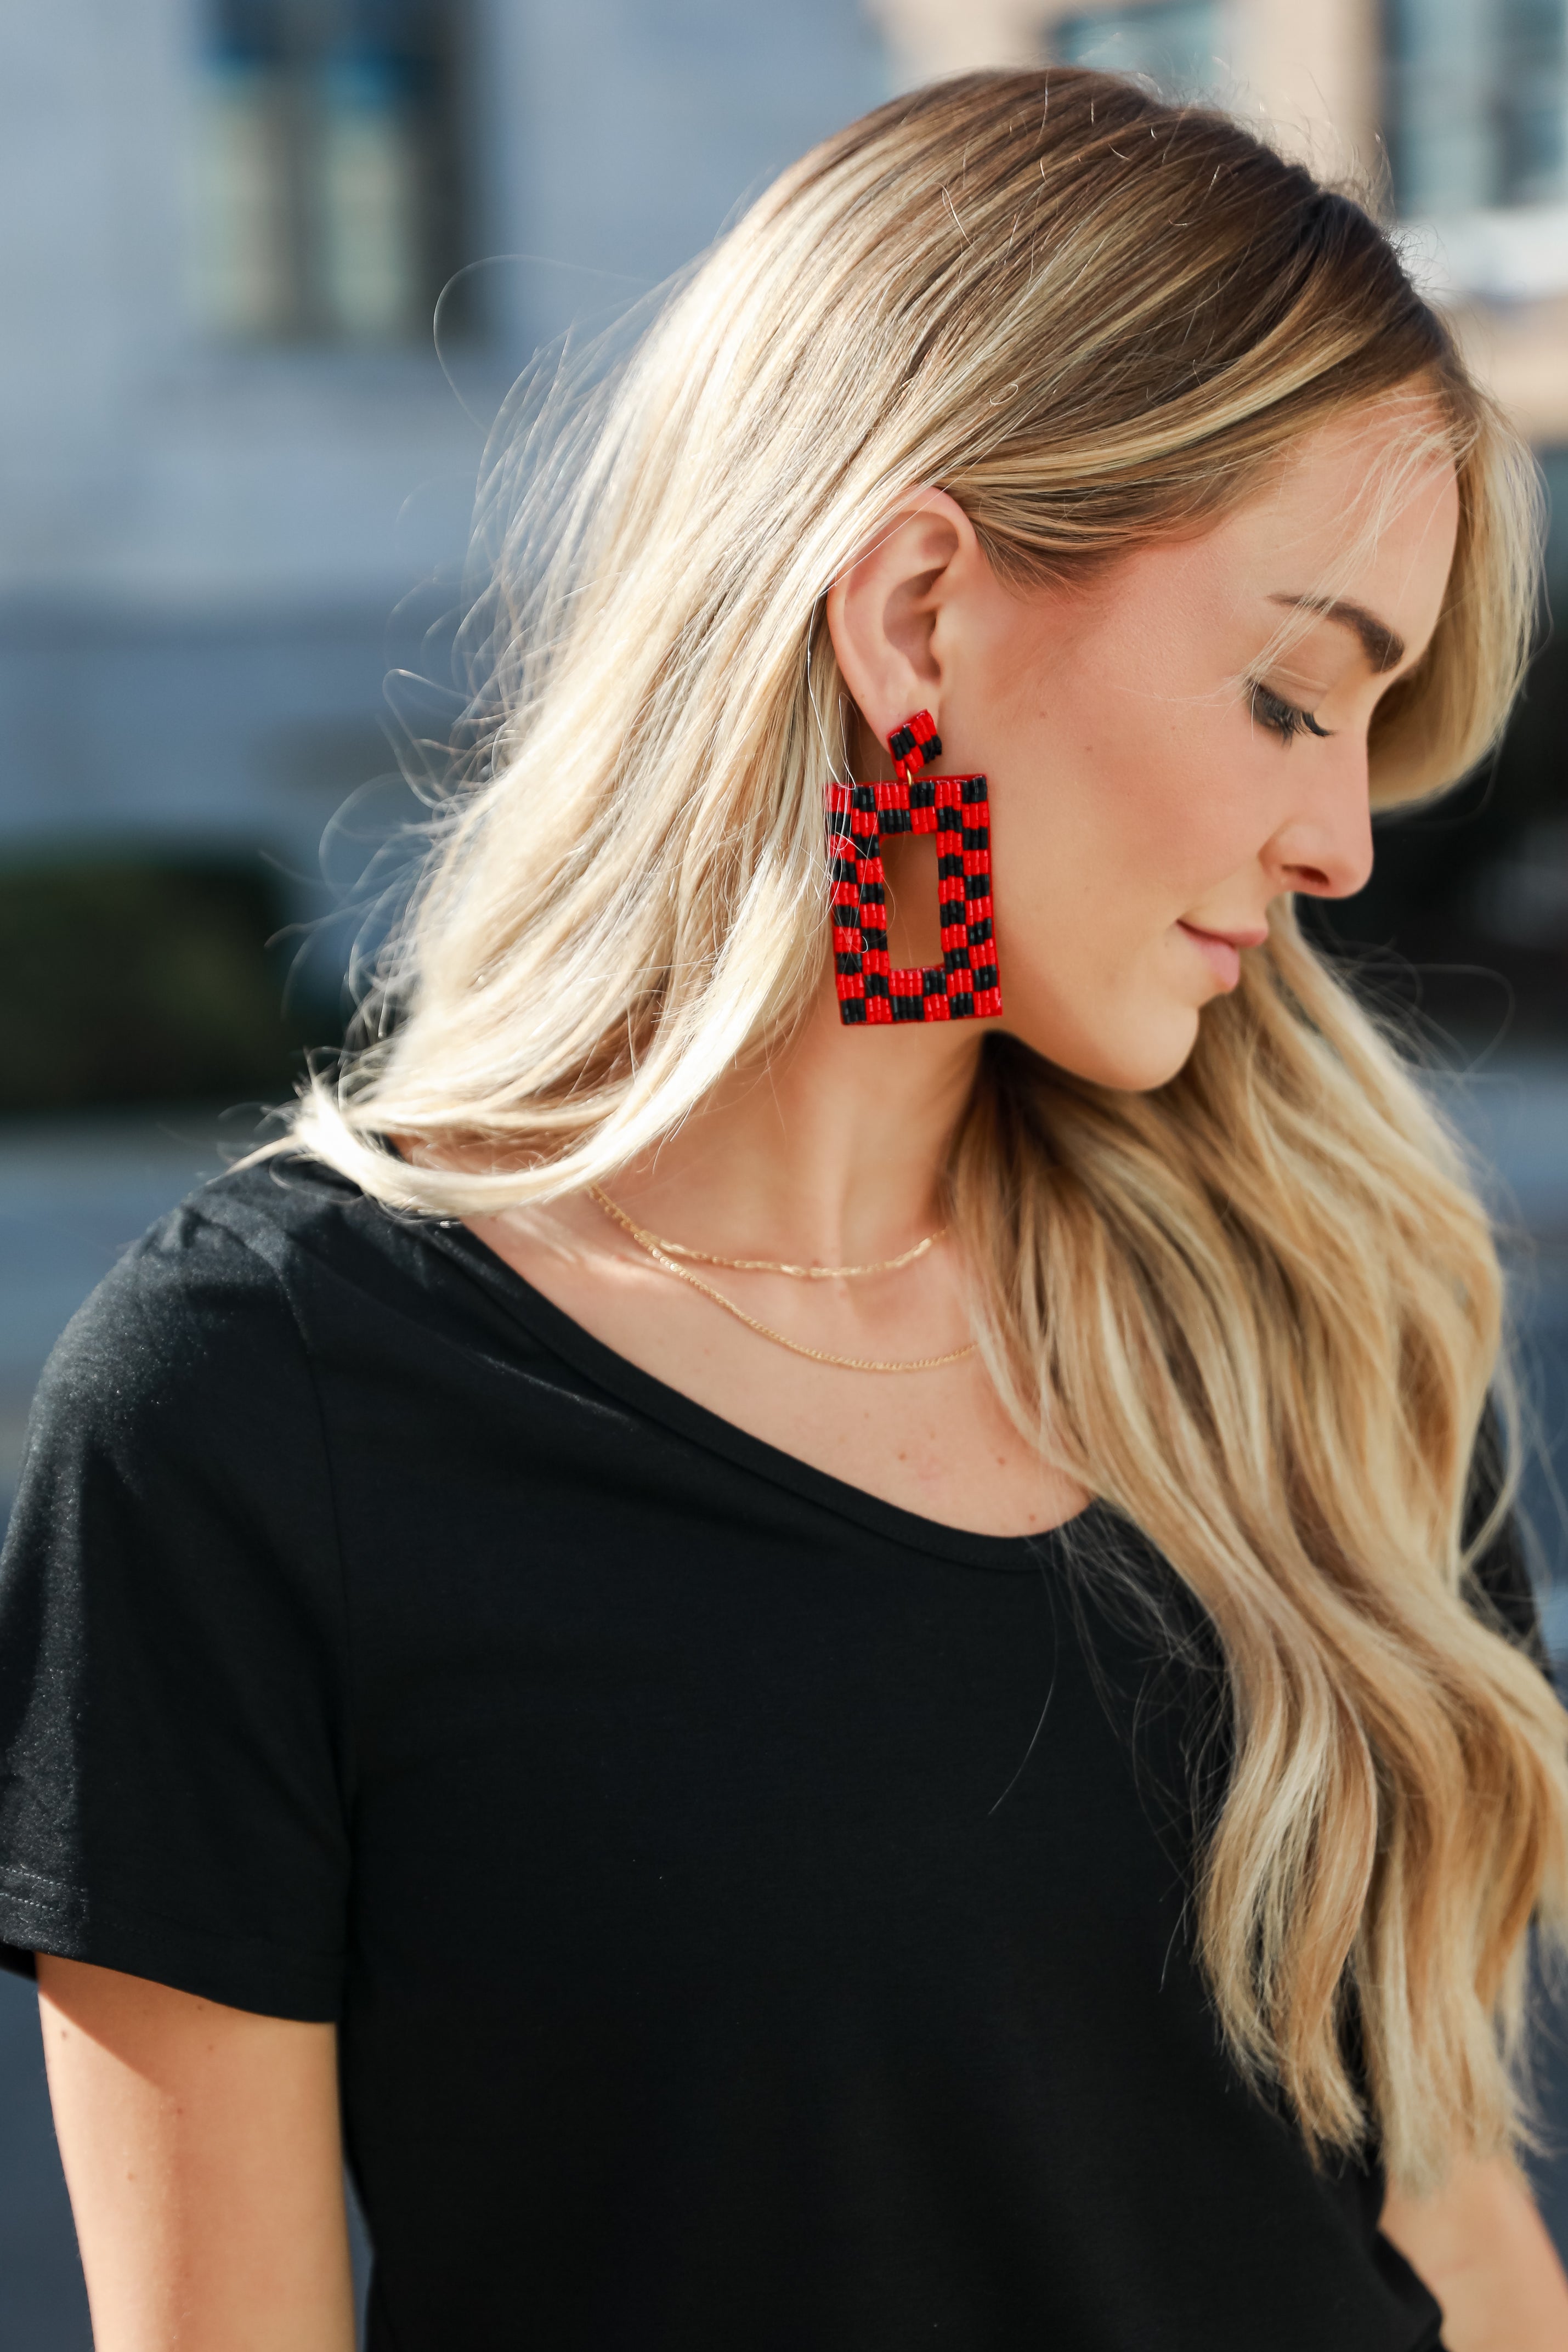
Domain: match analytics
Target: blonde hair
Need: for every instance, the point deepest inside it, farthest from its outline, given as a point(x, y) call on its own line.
point(1258, 1311)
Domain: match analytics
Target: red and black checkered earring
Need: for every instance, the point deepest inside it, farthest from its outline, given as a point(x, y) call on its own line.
point(966, 985)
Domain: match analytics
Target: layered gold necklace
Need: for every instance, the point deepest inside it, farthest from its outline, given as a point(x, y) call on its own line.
point(667, 1256)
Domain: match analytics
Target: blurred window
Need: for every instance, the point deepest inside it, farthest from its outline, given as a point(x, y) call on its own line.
point(327, 180)
point(1174, 42)
point(1478, 103)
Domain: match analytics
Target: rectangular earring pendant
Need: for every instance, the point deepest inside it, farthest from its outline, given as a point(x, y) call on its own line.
point(967, 984)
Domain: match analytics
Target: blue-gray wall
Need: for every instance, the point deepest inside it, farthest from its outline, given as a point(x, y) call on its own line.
point(201, 549)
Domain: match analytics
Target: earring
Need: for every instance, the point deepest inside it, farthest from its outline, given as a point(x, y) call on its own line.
point(967, 984)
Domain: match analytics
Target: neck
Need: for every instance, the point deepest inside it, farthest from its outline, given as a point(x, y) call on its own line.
point(828, 1154)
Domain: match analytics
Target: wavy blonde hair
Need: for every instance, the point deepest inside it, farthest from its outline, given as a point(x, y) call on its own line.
point(1257, 1311)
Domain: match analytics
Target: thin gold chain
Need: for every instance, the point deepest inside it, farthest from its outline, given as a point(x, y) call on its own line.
point(765, 1330)
point(763, 1265)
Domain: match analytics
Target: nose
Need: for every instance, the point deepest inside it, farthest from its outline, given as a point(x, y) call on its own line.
point(1324, 847)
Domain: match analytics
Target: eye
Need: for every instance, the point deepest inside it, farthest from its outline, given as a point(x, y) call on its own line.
point(1287, 718)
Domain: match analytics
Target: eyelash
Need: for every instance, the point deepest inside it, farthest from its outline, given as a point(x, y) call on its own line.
point(1287, 720)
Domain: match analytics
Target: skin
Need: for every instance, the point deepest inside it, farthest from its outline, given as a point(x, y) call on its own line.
point(1145, 814)
point(202, 2152)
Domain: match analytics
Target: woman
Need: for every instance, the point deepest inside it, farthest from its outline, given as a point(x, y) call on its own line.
point(818, 1595)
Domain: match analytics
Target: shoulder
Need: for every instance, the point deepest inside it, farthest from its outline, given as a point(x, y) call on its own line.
point(197, 1326)
point(218, 1267)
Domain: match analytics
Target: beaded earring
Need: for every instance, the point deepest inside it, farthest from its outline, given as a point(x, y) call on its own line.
point(966, 985)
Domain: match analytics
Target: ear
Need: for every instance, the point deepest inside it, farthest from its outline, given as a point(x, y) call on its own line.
point(890, 613)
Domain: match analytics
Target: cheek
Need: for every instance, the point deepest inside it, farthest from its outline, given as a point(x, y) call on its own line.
point(1121, 808)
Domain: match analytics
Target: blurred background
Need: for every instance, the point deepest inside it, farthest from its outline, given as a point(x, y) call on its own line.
point(268, 269)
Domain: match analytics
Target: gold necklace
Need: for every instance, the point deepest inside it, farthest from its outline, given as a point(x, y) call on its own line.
point(764, 1264)
point(659, 1252)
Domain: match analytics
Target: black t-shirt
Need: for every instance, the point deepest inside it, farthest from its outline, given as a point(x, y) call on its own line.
point(754, 1915)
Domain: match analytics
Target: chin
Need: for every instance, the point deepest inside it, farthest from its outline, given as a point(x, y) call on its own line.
point(1146, 1055)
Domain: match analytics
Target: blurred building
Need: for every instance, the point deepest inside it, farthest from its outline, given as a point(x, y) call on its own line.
point(235, 476)
point(229, 454)
point(1458, 108)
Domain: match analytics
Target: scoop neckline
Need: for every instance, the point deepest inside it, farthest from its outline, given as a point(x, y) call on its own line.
point(565, 1337)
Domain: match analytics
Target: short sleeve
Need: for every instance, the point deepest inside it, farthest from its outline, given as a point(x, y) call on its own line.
point(173, 1749)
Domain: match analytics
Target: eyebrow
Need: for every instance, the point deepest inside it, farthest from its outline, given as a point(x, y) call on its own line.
point(1383, 649)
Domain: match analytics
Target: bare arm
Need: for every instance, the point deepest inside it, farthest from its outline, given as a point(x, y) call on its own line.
point(1482, 2249)
point(202, 2150)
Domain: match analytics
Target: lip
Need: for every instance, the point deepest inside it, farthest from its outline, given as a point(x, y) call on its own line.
point(1221, 951)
